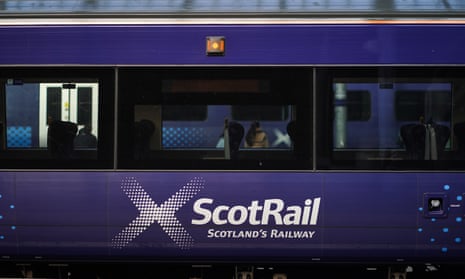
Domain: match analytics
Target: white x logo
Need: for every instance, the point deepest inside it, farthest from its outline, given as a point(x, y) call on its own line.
point(281, 138)
point(163, 214)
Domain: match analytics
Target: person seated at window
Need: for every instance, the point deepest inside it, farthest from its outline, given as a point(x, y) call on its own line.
point(425, 140)
point(85, 139)
point(256, 137)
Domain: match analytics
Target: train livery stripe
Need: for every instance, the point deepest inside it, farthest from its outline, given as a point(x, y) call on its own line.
point(353, 44)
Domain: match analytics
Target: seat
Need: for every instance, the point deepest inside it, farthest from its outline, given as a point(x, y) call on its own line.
point(424, 141)
point(143, 131)
point(292, 130)
point(459, 131)
point(236, 133)
point(61, 136)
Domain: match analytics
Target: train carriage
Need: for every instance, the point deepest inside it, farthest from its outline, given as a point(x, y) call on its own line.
point(126, 139)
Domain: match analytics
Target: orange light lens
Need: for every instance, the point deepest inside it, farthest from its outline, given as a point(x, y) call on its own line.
point(215, 45)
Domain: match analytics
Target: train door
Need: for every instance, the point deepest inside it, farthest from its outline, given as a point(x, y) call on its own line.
point(70, 102)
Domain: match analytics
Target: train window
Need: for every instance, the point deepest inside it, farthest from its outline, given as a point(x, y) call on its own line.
point(435, 104)
point(53, 105)
point(51, 119)
point(50, 103)
point(358, 105)
point(215, 86)
point(2, 122)
point(410, 123)
point(87, 99)
point(260, 113)
point(213, 118)
point(185, 113)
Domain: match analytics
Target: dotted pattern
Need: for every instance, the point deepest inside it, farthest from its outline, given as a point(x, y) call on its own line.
point(184, 137)
point(19, 136)
point(164, 214)
point(442, 232)
point(3, 234)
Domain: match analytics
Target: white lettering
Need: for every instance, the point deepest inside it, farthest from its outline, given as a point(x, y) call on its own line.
point(307, 210)
point(268, 211)
point(235, 234)
point(316, 209)
point(204, 212)
point(216, 215)
point(243, 213)
point(291, 234)
point(272, 211)
point(293, 217)
point(254, 208)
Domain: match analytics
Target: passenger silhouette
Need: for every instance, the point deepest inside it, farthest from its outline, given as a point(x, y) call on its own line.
point(60, 140)
point(256, 137)
point(236, 133)
point(296, 142)
point(292, 130)
point(424, 141)
point(413, 136)
point(85, 138)
point(143, 131)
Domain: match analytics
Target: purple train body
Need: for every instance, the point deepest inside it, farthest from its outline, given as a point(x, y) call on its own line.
point(310, 215)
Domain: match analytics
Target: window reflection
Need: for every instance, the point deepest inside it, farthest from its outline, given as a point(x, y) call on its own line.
point(202, 126)
point(398, 120)
point(59, 117)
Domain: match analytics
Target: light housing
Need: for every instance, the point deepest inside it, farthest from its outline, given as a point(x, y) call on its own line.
point(215, 45)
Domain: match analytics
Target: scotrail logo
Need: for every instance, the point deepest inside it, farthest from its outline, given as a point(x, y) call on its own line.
point(270, 211)
point(206, 212)
point(164, 214)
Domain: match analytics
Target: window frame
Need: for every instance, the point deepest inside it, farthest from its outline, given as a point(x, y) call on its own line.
point(39, 158)
point(295, 82)
point(328, 159)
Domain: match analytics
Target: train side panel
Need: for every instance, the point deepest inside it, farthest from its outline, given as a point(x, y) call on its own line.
point(197, 215)
point(352, 44)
